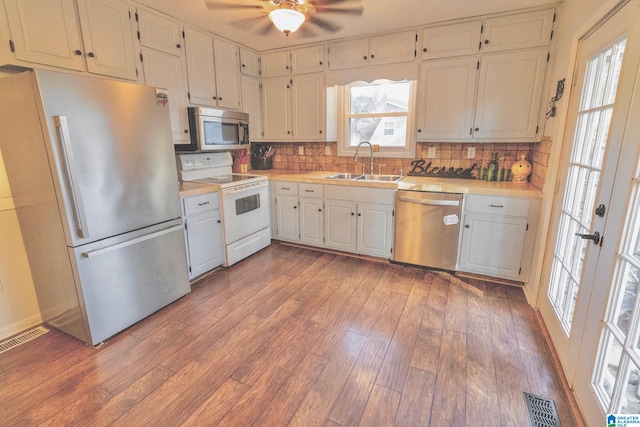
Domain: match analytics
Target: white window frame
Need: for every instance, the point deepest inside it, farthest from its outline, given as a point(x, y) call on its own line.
point(408, 151)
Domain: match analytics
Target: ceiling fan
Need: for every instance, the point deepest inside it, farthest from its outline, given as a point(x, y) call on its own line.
point(288, 15)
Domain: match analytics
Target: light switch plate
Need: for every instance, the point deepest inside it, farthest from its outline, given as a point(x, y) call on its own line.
point(301, 150)
point(431, 152)
point(471, 152)
point(327, 150)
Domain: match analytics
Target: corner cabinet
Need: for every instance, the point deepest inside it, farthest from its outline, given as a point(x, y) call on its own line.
point(497, 236)
point(97, 39)
point(203, 233)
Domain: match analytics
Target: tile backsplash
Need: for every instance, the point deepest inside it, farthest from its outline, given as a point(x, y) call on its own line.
point(447, 155)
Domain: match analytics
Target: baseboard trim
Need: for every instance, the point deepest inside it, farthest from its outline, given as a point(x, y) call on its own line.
point(566, 388)
point(21, 326)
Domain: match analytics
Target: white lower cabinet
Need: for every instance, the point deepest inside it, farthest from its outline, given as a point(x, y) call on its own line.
point(340, 225)
point(497, 236)
point(375, 225)
point(312, 221)
point(288, 219)
point(203, 233)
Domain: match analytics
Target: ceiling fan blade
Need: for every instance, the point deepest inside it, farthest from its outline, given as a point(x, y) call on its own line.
point(217, 5)
point(351, 11)
point(249, 22)
point(306, 32)
point(319, 3)
point(265, 29)
point(325, 25)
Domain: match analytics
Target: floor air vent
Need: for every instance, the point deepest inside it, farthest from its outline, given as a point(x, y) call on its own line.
point(542, 411)
point(22, 338)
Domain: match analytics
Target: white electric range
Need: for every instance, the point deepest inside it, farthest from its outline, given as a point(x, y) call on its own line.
point(244, 199)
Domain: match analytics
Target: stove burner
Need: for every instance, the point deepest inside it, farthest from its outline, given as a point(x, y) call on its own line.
point(419, 169)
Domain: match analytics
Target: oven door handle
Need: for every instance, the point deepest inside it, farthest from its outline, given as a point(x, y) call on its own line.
point(430, 202)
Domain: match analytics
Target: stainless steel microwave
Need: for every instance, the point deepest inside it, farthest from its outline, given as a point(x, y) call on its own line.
point(214, 129)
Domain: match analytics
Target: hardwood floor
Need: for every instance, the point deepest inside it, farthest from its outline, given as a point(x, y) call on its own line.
point(298, 337)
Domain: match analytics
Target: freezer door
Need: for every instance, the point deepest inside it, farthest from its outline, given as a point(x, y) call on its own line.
point(111, 146)
point(124, 279)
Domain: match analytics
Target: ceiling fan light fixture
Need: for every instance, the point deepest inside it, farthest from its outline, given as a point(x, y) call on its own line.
point(286, 20)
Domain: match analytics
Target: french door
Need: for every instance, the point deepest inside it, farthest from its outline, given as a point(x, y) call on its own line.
point(587, 274)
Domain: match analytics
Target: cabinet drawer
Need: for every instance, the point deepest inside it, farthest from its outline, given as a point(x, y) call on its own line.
point(310, 190)
point(201, 203)
point(287, 188)
point(499, 205)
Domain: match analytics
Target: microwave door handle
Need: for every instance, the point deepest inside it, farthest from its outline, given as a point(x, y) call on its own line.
point(240, 133)
point(69, 176)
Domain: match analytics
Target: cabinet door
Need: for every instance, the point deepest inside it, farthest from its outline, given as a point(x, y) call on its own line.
point(46, 32)
point(106, 32)
point(312, 221)
point(168, 72)
point(275, 103)
point(288, 218)
point(249, 63)
point(349, 54)
point(307, 102)
point(201, 73)
point(492, 245)
point(276, 64)
point(227, 74)
point(252, 104)
point(204, 242)
point(446, 99)
point(521, 31)
point(340, 225)
point(392, 48)
point(509, 95)
point(307, 60)
point(451, 40)
point(159, 33)
point(375, 229)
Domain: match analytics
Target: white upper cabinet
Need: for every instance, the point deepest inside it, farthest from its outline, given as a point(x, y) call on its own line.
point(227, 74)
point(46, 32)
point(252, 103)
point(276, 107)
point(520, 31)
point(249, 63)
point(98, 39)
point(387, 49)
point(307, 60)
point(509, 94)
point(446, 98)
point(451, 40)
point(392, 48)
point(295, 61)
point(200, 67)
point(276, 64)
point(308, 107)
point(159, 33)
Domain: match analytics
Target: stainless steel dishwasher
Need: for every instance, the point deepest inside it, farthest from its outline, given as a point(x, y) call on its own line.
point(426, 228)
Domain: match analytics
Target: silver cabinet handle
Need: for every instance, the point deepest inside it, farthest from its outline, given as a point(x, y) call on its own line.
point(131, 242)
point(430, 201)
point(60, 122)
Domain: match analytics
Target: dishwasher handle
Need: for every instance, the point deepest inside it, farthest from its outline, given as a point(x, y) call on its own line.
point(429, 202)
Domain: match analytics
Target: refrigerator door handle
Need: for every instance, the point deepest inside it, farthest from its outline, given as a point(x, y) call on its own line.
point(73, 189)
point(430, 202)
point(90, 254)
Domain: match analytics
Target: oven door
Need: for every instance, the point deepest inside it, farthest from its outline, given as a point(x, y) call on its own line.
point(246, 210)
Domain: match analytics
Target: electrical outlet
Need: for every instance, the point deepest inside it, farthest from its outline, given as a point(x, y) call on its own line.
point(431, 153)
point(301, 150)
point(471, 152)
point(327, 150)
point(1, 288)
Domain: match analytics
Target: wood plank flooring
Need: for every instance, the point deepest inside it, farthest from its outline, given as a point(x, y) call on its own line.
point(297, 337)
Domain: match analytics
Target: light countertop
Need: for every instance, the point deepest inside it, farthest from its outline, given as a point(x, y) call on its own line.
point(441, 185)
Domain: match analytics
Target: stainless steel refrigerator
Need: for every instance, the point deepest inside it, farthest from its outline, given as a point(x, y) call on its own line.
point(91, 168)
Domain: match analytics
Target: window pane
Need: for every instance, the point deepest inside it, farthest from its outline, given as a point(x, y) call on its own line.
point(384, 131)
point(380, 98)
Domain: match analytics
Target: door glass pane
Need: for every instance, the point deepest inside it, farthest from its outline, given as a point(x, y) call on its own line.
point(608, 369)
point(583, 180)
point(631, 396)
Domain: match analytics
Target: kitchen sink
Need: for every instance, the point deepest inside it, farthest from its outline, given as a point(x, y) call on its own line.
point(360, 177)
point(386, 178)
point(345, 176)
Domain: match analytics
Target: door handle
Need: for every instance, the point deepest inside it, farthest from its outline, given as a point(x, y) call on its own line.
point(96, 252)
point(595, 237)
point(430, 202)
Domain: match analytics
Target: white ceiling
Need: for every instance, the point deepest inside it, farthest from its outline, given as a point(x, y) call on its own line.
point(378, 16)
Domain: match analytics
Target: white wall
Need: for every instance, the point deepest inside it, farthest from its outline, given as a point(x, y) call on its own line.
point(574, 19)
point(18, 304)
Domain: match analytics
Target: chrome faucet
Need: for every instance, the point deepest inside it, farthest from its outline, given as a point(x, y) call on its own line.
point(355, 158)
